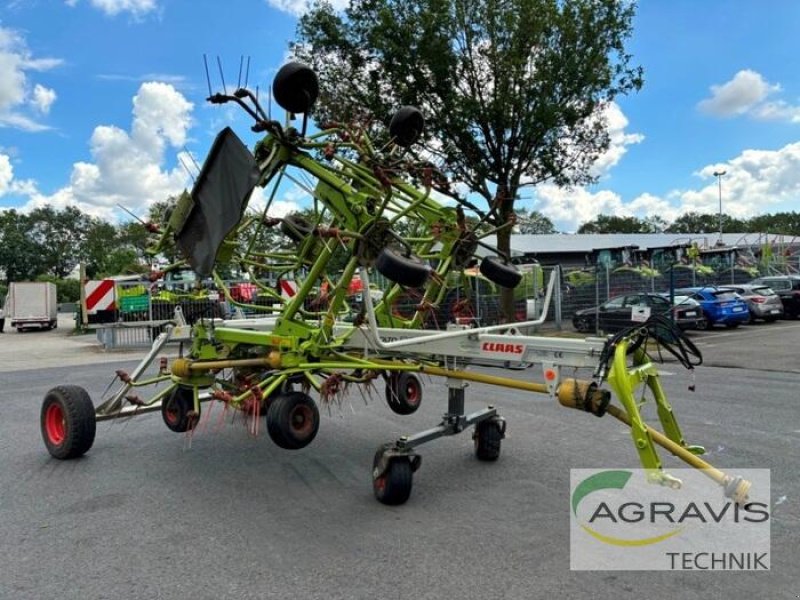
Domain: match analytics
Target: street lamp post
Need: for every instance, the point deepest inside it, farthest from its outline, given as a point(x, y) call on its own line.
point(718, 175)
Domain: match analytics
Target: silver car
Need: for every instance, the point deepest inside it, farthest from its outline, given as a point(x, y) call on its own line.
point(762, 301)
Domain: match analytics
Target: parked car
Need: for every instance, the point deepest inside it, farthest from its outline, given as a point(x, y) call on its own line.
point(618, 313)
point(720, 306)
point(762, 301)
point(689, 313)
point(788, 289)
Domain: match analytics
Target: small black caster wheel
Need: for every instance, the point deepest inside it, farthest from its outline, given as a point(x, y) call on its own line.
point(68, 421)
point(178, 412)
point(488, 436)
point(292, 420)
point(495, 270)
point(408, 271)
point(403, 392)
point(295, 87)
point(406, 126)
point(392, 484)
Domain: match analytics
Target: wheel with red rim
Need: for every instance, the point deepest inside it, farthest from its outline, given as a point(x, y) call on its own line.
point(177, 410)
point(292, 420)
point(393, 485)
point(68, 421)
point(403, 393)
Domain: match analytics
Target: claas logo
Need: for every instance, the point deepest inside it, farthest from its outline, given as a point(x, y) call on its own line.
point(505, 348)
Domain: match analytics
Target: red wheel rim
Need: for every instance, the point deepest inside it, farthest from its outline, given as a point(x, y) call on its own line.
point(172, 415)
point(301, 421)
point(55, 425)
point(380, 484)
point(412, 392)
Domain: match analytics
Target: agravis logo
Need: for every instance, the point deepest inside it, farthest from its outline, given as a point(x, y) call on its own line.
point(603, 481)
point(639, 519)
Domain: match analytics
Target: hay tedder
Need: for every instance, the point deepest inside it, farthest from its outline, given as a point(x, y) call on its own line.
point(269, 364)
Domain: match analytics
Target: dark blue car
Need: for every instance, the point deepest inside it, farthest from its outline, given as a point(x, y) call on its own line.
point(720, 306)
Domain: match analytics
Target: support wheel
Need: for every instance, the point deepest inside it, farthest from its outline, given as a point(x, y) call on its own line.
point(406, 126)
point(295, 87)
point(292, 420)
point(495, 270)
point(405, 270)
point(393, 485)
point(177, 410)
point(488, 436)
point(68, 421)
point(403, 392)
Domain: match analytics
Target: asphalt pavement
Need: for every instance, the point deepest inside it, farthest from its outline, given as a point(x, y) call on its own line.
point(148, 513)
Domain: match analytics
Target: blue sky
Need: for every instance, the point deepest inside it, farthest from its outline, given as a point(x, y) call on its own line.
point(98, 98)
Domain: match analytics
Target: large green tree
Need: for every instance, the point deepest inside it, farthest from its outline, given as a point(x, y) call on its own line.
point(513, 90)
point(20, 256)
point(615, 224)
point(533, 222)
point(693, 222)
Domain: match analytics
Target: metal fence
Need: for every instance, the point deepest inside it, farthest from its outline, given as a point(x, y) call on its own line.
point(142, 310)
point(589, 287)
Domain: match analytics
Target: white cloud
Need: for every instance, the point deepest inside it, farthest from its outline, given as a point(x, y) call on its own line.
point(128, 167)
point(616, 123)
point(737, 96)
point(43, 98)
point(137, 8)
point(17, 98)
point(747, 94)
point(755, 182)
point(286, 201)
point(298, 7)
point(6, 174)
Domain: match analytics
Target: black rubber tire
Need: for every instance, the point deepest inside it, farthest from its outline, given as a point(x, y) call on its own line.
point(496, 271)
point(393, 487)
point(403, 392)
point(175, 410)
point(296, 227)
point(292, 420)
point(488, 440)
point(295, 87)
point(68, 422)
point(405, 270)
point(406, 126)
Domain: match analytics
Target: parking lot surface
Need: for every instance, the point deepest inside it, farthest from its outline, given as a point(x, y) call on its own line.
point(148, 513)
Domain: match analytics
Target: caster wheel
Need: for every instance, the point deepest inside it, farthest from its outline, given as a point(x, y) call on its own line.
point(393, 486)
point(495, 270)
point(403, 393)
point(405, 270)
point(68, 421)
point(177, 410)
point(488, 436)
point(292, 420)
point(295, 87)
point(406, 126)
